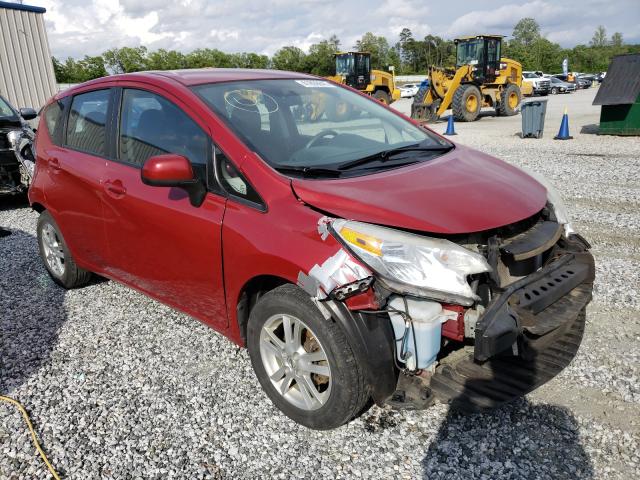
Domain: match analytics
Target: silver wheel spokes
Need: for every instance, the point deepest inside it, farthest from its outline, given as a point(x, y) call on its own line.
point(53, 253)
point(295, 361)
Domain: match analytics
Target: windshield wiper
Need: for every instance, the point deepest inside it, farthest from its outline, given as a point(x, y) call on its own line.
point(309, 171)
point(386, 155)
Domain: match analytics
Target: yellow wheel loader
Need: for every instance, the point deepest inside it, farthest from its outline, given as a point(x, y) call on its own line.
point(481, 78)
point(354, 69)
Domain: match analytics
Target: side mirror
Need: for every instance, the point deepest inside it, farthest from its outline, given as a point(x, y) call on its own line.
point(172, 170)
point(28, 113)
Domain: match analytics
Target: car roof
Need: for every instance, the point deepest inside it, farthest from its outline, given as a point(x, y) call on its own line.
point(198, 76)
point(195, 76)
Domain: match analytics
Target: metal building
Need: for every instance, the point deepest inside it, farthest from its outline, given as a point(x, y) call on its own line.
point(27, 78)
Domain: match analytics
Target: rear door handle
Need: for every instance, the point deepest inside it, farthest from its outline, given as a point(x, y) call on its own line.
point(54, 163)
point(115, 188)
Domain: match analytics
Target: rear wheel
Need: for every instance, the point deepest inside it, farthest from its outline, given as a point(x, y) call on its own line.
point(56, 256)
point(509, 101)
point(466, 103)
point(382, 96)
point(303, 361)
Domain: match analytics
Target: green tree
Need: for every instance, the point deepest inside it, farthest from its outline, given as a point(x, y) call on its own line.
point(616, 39)
point(289, 58)
point(165, 60)
point(526, 31)
point(207, 57)
point(248, 60)
point(77, 71)
point(126, 59)
point(378, 47)
point(59, 71)
point(599, 37)
point(320, 60)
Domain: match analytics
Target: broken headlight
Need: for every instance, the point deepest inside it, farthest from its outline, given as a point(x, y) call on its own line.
point(554, 200)
point(414, 264)
point(559, 208)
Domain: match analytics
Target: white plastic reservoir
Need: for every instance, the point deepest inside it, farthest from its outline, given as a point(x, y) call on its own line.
point(428, 318)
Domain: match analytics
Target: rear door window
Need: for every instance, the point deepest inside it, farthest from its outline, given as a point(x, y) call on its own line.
point(152, 125)
point(87, 125)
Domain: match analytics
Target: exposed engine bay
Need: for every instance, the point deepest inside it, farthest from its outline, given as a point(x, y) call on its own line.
point(510, 320)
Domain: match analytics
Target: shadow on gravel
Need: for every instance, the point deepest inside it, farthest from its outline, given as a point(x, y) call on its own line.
point(516, 440)
point(591, 129)
point(31, 310)
point(520, 440)
point(13, 202)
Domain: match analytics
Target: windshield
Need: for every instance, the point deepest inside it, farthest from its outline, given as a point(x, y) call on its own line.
point(344, 65)
point(530, 75)
point(5, 109)
point(309, 125)
point(469, 52)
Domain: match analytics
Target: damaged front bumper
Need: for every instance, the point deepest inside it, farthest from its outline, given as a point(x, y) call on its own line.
point(529, 333)
point(535, 306)
point(526, 327)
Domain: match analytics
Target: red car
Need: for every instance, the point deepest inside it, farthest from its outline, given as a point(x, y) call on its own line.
point(359, 256)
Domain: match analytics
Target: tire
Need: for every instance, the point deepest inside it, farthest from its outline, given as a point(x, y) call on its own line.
point(554, 91)
point(420, 96)
point(544, 94)
point(510, 98)
point(382, 96)
point(345, 393)
point(463, 105)
point(52, 245)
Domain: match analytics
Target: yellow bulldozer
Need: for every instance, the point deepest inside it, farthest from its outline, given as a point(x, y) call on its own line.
point(481, 78)
point(354, 69)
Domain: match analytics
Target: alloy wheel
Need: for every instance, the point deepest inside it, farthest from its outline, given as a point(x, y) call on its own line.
point(295, 362)
point(53, 252)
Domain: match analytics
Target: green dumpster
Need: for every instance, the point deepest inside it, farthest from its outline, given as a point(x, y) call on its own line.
point(619, 96)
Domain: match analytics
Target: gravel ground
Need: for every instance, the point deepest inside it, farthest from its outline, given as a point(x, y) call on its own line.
point(120, 386)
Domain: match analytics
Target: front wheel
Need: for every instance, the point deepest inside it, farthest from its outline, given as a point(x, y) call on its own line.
point(509, 100)
point(466, 103)
point(303, 361)
point(382, 96)
point(554, 91)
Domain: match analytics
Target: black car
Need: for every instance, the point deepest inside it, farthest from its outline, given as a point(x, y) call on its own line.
point(579, 82)
point(16, 153)
point(583, 82)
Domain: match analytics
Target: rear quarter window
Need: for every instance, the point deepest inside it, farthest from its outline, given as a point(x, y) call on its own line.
point(53, 121)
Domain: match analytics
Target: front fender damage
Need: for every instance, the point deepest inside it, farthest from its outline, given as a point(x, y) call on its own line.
point(342, 288)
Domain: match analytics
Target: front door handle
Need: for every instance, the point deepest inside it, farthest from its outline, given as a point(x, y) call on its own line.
point(115, 188)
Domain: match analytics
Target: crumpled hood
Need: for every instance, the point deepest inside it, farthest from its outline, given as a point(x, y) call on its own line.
point(462, 191)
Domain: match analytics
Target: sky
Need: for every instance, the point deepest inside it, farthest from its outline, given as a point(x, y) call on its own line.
point(89, 27)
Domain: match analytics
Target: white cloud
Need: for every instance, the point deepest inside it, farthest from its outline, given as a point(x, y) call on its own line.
point(89, 27)
point(503, 19)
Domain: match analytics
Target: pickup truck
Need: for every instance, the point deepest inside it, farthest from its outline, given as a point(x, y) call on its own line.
point(540, 85)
